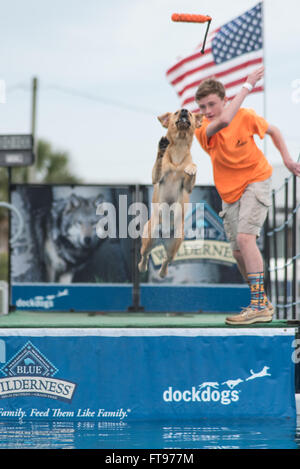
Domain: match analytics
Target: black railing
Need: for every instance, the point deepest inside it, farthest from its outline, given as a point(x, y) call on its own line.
point(281, 237)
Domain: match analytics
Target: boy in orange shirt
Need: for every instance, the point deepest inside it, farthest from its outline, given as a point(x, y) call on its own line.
point(242, 177)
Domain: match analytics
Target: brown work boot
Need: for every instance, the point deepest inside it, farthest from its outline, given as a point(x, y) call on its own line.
point(270, 307)
point(250, 316)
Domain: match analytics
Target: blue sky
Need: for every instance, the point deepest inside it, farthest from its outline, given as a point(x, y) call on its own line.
point(101, 71)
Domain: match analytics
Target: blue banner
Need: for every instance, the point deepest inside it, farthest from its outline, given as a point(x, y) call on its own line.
point(89, 297)
point(72, 257)
point(114, 297)
point(146, 374)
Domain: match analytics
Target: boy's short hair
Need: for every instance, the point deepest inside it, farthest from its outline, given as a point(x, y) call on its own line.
point(210, 86)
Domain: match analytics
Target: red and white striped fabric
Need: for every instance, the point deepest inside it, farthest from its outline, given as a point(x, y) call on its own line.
point(232, 52)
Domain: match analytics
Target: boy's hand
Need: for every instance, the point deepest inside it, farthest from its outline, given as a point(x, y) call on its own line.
point(255, 76)
point(280, 144)
point(293, 167)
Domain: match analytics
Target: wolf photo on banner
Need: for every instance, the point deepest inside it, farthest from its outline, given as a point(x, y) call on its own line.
point(60, 244)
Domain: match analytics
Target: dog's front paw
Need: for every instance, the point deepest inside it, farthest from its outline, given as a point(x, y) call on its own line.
point(190, 169)
point(163, 143)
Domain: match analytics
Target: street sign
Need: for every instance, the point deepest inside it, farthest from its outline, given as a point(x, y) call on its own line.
point(16, 150)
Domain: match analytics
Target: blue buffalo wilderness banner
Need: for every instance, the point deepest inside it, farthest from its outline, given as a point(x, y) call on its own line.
point(76, 252)
point(146, 374)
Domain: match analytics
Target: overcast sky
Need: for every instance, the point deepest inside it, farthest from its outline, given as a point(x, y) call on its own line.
point(101, 69)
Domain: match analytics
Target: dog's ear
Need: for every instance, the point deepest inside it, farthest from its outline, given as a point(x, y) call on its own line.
point(73, 202)
point(98, 200)
point(164, 119)
point(57, 209)
point(198, 119)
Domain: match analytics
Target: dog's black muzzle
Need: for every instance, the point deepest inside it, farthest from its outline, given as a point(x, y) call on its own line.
point(183, 121)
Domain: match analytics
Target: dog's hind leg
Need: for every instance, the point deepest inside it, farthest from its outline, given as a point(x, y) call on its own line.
point(147, 242)
point(171, 248)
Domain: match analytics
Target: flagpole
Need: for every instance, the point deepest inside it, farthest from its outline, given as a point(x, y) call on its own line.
point(264, 64)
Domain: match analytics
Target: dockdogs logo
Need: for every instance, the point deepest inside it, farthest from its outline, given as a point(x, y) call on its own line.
point(210, 391)
point(29, 373)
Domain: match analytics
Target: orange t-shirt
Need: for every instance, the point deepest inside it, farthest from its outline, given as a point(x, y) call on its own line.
point(236, 159)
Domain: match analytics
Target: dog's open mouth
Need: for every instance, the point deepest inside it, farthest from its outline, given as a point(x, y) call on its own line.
point(183, 123)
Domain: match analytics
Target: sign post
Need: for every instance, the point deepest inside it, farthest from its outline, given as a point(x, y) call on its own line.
point(16, 150)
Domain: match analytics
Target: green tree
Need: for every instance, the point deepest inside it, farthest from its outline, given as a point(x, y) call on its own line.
point(53, 166)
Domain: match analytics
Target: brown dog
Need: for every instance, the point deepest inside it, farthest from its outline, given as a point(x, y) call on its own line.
point(173, 176)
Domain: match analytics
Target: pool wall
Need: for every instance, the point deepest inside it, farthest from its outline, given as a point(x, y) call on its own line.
point(130, 374)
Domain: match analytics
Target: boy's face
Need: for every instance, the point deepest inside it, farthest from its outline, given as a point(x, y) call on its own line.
point(211, 106)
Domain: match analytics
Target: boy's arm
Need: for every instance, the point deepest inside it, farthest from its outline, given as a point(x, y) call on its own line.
point(230, 111)
point(280, 144)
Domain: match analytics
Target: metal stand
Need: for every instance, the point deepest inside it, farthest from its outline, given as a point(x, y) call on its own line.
point(135, 307)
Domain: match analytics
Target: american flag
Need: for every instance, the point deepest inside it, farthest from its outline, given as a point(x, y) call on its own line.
point(232, 52)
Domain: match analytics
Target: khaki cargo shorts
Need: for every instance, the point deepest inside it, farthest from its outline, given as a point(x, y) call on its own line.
point(248, 214)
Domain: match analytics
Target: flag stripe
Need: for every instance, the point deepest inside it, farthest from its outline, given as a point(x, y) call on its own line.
point(195, 55)
point(226, 79)
point(186, 75)
point(221, 74)
point(188, 59)
point(200, 62)
point(177, 80)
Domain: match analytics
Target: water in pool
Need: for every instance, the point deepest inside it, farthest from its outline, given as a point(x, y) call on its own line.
point(149, 435)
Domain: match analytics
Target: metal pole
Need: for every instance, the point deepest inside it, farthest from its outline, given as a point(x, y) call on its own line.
point(286, 232)
point(9, 178)
point(135, 307)
point(294, 248)
point(264, 64)
point(275, 249)
point(31, 169)
point(267, 258)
